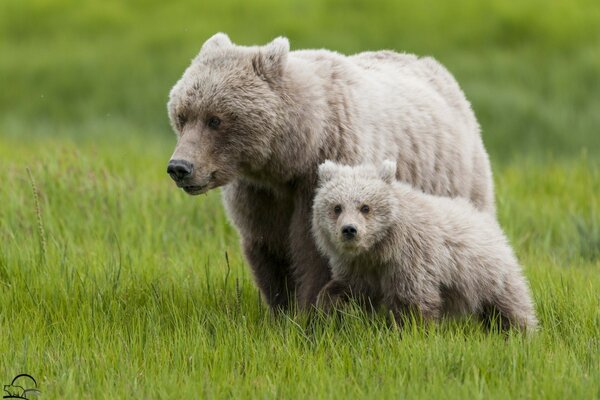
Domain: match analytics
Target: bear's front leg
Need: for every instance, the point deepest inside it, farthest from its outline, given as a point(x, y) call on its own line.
point(262, 217)
point(311, 269)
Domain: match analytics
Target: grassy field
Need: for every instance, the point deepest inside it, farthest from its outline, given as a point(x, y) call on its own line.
point(113, 284)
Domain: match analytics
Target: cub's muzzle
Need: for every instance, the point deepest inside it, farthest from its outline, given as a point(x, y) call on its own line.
point(349, 232)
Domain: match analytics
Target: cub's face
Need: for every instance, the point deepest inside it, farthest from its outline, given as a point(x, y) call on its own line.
point(353, 207)
point(226, 111)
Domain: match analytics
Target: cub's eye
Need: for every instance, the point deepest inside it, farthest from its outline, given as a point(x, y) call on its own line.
point(213, 122)
point(181, 120)
point(337, 209)
point(365, 209)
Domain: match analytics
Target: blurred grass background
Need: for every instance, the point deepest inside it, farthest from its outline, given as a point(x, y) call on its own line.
point(93, 68)
point(113, 284)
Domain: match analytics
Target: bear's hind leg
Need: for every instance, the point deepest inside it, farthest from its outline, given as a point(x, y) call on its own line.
point(513, 305)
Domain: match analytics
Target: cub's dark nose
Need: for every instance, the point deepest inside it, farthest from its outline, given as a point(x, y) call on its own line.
point(349, 232)
point(179, 169)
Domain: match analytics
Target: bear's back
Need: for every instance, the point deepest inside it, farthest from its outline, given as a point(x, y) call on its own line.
point(454, 221)
point(389, 105)
point(425, 69)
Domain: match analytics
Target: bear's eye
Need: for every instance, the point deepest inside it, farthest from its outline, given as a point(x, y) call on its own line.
point(214, 122)
point(365, 209)
point(337, 209)
point(181, 120)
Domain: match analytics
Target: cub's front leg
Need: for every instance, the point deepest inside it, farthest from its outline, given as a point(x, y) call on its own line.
point(333, 295)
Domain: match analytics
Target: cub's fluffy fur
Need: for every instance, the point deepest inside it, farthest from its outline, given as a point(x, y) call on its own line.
point(408, 250)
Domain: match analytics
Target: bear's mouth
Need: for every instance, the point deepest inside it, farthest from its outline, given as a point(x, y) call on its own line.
point(353, 246)
point(195, 189)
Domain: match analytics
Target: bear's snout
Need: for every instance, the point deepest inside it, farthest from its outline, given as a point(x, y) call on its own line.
point(349, 232)
point(180, 169)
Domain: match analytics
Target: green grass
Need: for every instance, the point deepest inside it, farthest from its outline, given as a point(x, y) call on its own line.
point(129, 292)
point(115, 285)
point(530, 68)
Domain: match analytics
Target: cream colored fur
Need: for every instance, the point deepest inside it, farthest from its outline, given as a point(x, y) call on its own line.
point(413, 250)
point(284, 112)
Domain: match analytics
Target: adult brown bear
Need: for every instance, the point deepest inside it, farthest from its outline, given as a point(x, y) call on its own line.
point(259, 120)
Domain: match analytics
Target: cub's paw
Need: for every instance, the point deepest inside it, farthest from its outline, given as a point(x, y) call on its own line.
point(332, 296)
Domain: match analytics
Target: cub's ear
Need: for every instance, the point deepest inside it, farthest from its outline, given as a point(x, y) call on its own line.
point(387, 171)
point(271, 59)
point(217, 41)
point(327, 171)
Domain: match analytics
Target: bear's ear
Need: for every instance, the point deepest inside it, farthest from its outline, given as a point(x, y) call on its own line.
point(271, 59)
point(387, 171)
point(217, 41)
point(327, 171)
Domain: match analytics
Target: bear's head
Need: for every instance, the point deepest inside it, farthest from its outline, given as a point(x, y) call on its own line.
point(353, 207)
point(227, 109)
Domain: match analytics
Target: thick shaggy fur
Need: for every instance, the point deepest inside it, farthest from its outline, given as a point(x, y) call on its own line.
point(283, 113)
point(414, 251)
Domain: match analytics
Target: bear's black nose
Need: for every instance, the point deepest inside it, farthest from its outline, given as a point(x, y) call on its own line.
point(349, 232)
point(179, 169)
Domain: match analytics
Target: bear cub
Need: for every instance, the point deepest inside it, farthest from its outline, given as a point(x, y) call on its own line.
point(397, 247)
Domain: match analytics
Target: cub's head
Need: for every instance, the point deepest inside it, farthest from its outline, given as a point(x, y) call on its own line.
point(226, 110)
point(353, 206)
